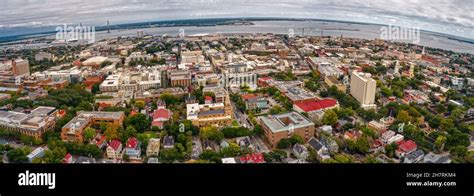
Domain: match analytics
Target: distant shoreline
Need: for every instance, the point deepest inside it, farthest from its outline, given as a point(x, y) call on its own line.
point(18, 39)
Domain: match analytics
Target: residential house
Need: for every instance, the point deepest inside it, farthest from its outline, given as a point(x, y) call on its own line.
point(386, 136)
point(83, 160)
point(160, 116)
point(330, 144)
point(405, 147)
point(244, 142)
point(153, 147)
point(114, 149)
point(326, 129)
point(152, 160)
point(36, 153)
point(229, 160)
point(414, 157)
point(321, 150)
point(252, 158)
point(68, 158)
point(352, 135)
point(436, 158)
point(253, 102)
point(300, 151)
point(376, 146)
point(100, 141)
point(168, 142)
point(133, 148)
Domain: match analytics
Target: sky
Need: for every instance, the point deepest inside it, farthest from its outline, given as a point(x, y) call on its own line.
point(455, 17)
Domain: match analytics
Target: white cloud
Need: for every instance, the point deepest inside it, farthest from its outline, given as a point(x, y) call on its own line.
point(434, 15)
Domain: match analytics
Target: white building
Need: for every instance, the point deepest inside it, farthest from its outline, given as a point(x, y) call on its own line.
point(363, 89)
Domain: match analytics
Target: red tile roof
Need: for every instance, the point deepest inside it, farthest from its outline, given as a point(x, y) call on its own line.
point(157, 123)
point(265, 78)
point(132, 142)
point(407, 146)
point(115, 144)
point(101, 140)
point(308, 106)
point(252, 158)
point(249, 96)
point(67, 158)
point(161, 113)
point(133, 113)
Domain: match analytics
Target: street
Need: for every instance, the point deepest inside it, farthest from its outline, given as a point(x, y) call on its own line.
point(241, 118)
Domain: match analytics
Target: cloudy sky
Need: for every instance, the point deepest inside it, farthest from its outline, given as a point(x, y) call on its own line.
point(454, 17)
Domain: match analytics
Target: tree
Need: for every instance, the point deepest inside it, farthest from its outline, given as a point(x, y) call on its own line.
point(456, 114)
point(232, 132)
point(276, 110)
point(390, 149)
point(211, 133)
point(362, 145)
point(169, 99)
point(18, 155)
point(386, 91)
point(257, 129)
point(139, 121)
point(446, 124)
point(111, 133)
point(84, 106)
point(296, 139)
point(126, 133)
point(368, 131)
point(170, 155)
point(459, 151)
point(342, 158)
point(89, 133)
point(126, 158)
point(284, 143)
point(367, 115)
point(140, 104)
point(275, 156)
point(329, 118)
point(231, 151)
point(440, 141)
point(403, 116)
point(211, 155)
point(95, 88)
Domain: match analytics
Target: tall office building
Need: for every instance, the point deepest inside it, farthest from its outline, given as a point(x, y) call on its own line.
point(363, 89)
point(21, 67)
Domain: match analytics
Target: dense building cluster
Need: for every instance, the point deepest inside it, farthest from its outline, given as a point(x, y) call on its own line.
point(238, 98)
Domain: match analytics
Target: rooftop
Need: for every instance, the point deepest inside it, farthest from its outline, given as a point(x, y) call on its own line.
point(309, 106)
point(283, 122)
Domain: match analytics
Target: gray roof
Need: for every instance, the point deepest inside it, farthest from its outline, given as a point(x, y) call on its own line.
point(299, 148)
point(436, 158)
point(152, 160)
point(168, 140)
point(209, 112)
point(43, 111)
point(415, 154)
point(276, 124)
point(82, 159)
point(315, 143)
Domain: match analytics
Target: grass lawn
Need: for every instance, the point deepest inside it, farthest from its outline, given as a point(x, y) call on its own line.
point(150, 134)
point(471, 127)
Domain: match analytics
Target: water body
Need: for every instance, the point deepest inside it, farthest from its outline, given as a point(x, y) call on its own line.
point(311, 28)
